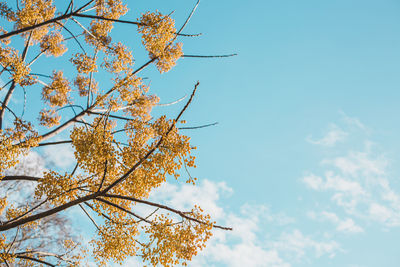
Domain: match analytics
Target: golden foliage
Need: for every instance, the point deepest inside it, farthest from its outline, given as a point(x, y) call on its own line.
point(56, 93)
point(49, 118)
point(84, 83)
point(94, 146)
point(6, 12)
point(158, 33)
point(52, 44)
point(34, 12)
point(100, 29)
point(121, 58)
point(170, 243)
point(20, 71)
point(84, 63)
point(15, 142)
point(121, 151)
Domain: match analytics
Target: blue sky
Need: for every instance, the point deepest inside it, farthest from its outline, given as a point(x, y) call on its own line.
point(304, 162)
point(313, 92)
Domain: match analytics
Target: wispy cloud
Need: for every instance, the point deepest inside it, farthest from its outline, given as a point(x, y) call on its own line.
point(352, 121)
point(342, 225)
point(296, 244)
point(334, 135)
point(337, 183)
point(359, 182)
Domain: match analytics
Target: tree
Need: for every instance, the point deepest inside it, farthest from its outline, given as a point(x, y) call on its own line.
point(121, 151)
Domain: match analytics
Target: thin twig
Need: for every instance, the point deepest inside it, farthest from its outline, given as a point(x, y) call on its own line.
point(85, 5)
point(90, 217)
point(198, 127)
point(122, 208)
point(77, 41)
point(172, 103)
point(23, 109)
point(209, 56)
point(187, 20)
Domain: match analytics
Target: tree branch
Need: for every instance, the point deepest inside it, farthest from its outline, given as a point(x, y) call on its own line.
point(180, 213)
point(20, 178)
point(123, 209)
point(55, 143)
point(198, 127)
point(35, 260)
point(210, 56)
point(26, 29)
point(109, 19)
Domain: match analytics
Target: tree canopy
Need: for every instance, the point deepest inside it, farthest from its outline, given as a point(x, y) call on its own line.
point(121, 151)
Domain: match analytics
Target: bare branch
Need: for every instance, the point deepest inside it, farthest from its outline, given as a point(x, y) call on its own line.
point(73, 36)
point(85, 5)
point(47, 213)
point(198, 127)
point(111, 116)
point(190, 35)
point(210, 56)
point(35, 260)
point(55, 143)
point(172, 103)
point(109, 19)
point(188, 18)
point(20, 178)
point(90, 217)
point(104, 175)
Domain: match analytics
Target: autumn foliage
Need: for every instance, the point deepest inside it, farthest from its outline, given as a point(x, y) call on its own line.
point(122, 152)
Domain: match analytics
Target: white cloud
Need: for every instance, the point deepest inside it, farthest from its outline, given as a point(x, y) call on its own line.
point(388, 216)
point(342, 225)
point(359, 163)
point(349, 226)
point(313, 181)
point(131, 262)
point(358, 181)
point(297, 244)
point(333, 182)
point(186, 196)
point(239, 255)
point(334, 135)
point(352, 121)
point(32, 164)
point(61, 156)
point(3, 91)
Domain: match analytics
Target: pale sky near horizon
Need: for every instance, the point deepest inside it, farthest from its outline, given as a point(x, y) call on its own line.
point(305, 160)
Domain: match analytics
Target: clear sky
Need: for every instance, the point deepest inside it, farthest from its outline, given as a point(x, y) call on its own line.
point(305, 160)
point(308, 134)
